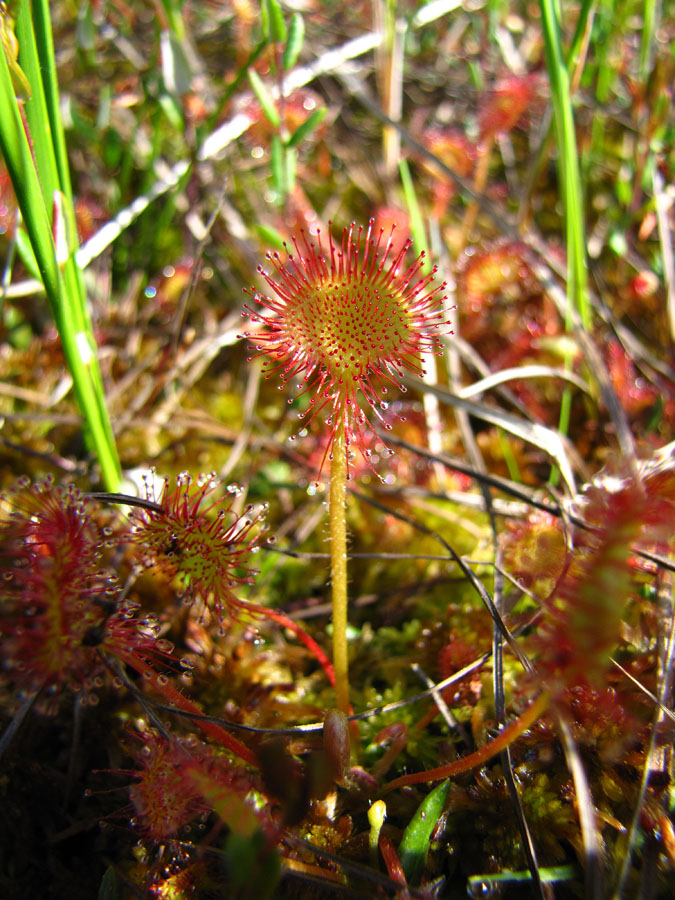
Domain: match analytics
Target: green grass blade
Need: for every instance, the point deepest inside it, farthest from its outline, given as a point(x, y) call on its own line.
point(647, 40)
point(264, 98)
point(277, 25)
point(45, 52)
point(568, 162)
point(23, 174)
point(35, 107)
point(416, 222)
point(307, 127)
point(48, 216)
point(548, 875)
point(36, 54)
point(296, 36)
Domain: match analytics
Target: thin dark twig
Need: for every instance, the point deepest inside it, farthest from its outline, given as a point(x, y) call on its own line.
point(478, 463)
point(483, 478)
point(297, 554)
point(468, 572)
point(661, 708)
point(188, 293)
point(350, 866)
point(316, 727)
point(519, 493)
point(124, 500)
point(12, 729)
point(586, 808)
point(144, 702)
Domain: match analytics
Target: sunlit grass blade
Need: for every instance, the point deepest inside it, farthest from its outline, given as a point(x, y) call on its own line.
point(39, 175)
point(548, 875)
point(569, 180)
point(647, 40)
point(307, 127)
point(575, 57)
point(568, 162)
point(296, 36)
point(416, 222)
point(264, 98)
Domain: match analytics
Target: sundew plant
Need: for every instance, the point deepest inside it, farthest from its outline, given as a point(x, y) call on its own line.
point(337, 457)
point(349, 327)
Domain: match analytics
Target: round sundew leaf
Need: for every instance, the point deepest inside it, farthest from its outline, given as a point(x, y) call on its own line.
point(347, 325)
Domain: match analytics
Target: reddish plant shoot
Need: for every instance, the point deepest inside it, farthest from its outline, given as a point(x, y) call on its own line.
point(505, 105)
point(172, 777)
point(200, 540)
point(349, 324)
point(584, 612)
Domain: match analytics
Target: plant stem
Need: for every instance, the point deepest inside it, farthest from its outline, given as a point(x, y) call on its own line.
point(480, 756)
point(338, 560)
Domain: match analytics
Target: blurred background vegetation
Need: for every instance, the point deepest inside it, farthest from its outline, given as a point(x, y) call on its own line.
point(529, 150)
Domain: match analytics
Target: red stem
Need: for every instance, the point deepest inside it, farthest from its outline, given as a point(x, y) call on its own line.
point(172, 695)
point(286, 622)
point(501, 742)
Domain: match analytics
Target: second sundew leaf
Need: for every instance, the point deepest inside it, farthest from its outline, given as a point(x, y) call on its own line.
point(307, 127)
point(296, 36)
point(264, 98)
point(415, 842)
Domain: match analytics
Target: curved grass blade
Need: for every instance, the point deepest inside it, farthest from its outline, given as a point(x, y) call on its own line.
point(42, 187)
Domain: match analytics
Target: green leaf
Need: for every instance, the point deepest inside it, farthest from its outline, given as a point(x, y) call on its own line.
point(307, 127)
point(547, 876)
point(37, 117)
point(171, 109)
point(85, 34)
point(296, 36)
point(264, 98)
point(277, 164)
point(233, 810)
point(569, 178)
point(276, 21)
point(290, 165)
point(264, 21)
point(253, 867)
point(110, 887)
point(271, 237)
point(414, 844)
point(176, 70)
